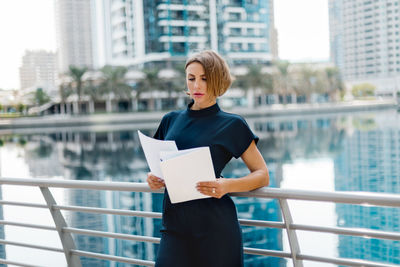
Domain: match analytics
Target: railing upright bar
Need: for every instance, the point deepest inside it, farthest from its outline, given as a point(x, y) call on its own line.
point(292, 236)
point(66, 238)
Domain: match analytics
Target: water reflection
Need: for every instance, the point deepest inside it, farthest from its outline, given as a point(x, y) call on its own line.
point(365, 151)
point(369, 161)
point(2, 235)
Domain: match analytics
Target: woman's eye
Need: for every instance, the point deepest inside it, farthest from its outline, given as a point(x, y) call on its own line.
point(204, 79)
point(191, 79)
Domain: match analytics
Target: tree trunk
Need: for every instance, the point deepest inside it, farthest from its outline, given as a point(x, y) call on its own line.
point(62, 107)
point(250, 98)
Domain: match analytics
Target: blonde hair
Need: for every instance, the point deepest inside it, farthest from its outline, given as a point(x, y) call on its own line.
point(216, 70)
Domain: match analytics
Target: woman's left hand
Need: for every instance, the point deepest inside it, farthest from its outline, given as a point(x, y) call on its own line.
point(215, 189)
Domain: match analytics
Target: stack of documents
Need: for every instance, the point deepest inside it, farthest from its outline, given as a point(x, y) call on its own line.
point(180, 169)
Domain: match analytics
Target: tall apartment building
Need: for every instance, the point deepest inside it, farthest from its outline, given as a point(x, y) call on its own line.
point(38, 69)
point(365, 42)
point(75, 21)
point(139, 31)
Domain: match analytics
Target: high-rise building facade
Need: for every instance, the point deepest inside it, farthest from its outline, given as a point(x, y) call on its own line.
point(365, 42)
point(141, 31)
point(38, 69)
point(75, 20)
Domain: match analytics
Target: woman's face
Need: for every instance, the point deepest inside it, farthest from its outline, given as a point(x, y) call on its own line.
point(196, 81)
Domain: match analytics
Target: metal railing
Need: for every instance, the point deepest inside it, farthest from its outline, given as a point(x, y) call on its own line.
point(72, 254)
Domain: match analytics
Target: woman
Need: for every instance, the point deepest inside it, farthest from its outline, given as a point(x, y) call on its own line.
point(206, 232)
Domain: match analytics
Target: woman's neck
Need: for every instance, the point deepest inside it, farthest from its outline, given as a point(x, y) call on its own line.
point(198, 106)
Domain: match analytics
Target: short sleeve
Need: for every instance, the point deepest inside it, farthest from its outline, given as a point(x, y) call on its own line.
point(160, 133)
point(163, 127)
point(240, 137)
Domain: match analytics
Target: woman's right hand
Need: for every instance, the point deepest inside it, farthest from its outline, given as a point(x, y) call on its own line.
point(155, 182)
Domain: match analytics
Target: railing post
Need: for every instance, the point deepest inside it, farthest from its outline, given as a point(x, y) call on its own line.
point(66, 238)
point(292, 236)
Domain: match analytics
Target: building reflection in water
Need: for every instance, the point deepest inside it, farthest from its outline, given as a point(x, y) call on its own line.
point(369, 161)
point(116, 155)
point(2, 234)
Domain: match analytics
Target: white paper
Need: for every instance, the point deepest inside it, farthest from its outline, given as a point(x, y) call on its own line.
point(164, 155)
point(183, 170)
point(151, 148)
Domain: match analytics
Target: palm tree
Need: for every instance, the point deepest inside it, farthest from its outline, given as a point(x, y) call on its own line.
point(172, 80)
point(254, 79)
point(76, 74)
point(308, 79)
point(334, 80)
point(282, 78)
point(148, 83)
point(64, 91)
point(114, 81)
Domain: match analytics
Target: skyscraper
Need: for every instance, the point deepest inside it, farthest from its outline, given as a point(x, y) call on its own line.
point(365, 40)
point(137, 32)
point(75, 20)
point(38, 69)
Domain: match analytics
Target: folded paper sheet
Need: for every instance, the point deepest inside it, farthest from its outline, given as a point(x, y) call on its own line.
point(183, 169)
point(151, 148)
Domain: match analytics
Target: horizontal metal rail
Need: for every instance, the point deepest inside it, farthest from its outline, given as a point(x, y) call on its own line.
point(348, 231)
point(267, 252)
point(94, 185)
point(360, 198)
point(23, 204)
point(111, 258)
point(258, 223)
point(345, 262)
point(28, 225)
point(2, 261)
point(112, 235)
point(20, 244)
point(146, 214)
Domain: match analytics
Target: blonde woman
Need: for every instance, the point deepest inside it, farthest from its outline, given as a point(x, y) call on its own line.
point(206, 232)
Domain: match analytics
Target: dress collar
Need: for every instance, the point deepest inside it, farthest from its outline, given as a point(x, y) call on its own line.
point(211, 110)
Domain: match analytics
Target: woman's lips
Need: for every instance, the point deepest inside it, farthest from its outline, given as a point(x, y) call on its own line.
point(198, 94)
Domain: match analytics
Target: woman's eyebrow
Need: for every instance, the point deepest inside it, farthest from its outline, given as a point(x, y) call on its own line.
point(195, 75)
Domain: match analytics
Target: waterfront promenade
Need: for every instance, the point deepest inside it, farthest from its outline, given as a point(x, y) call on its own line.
point(148, 117)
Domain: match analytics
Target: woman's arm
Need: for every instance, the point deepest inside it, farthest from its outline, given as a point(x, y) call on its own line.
point(257, 178)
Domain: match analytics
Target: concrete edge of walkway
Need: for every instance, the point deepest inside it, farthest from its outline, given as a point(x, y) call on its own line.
point(140, 117)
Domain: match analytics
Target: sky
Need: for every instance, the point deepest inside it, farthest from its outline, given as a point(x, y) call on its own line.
point(303, 33)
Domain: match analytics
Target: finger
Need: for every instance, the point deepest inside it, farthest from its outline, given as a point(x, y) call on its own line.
point(157, 183)
point(210, 191)
point(208, 187)
point(156, 186)
point(207, 184)
point(155, 179)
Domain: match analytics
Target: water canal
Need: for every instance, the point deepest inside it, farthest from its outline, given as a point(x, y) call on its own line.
point(342, 152)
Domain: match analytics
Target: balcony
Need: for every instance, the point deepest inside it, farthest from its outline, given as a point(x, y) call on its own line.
point(72, 254)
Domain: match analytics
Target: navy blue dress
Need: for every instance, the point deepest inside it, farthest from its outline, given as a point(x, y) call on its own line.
point(203, 232)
